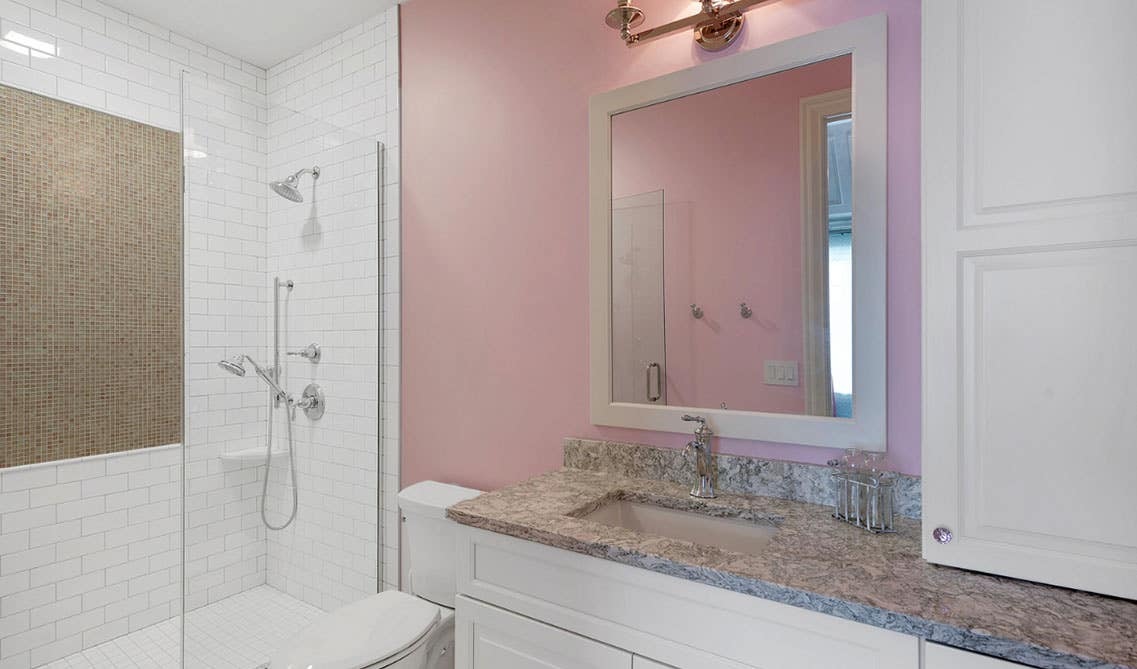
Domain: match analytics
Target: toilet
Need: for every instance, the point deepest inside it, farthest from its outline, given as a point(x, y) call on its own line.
point(393, 629)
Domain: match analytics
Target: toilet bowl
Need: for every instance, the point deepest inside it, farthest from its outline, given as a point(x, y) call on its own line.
point(393, 629)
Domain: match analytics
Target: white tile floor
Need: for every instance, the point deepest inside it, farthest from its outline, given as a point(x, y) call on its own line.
point(235, 633)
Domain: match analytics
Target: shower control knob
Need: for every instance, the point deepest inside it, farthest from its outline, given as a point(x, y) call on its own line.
point(942, 535)
point(312, 401)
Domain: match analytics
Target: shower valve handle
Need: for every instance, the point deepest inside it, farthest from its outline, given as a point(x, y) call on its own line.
point(310, 352)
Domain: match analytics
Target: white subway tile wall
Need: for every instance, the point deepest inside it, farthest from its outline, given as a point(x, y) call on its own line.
point(90, 550)
point(341, 92)
point(329, 106)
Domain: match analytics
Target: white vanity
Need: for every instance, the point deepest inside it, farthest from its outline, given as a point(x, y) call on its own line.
point(525, 605)
point(550, 576)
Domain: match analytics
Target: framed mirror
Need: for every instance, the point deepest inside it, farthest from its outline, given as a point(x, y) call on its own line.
point(738, 248)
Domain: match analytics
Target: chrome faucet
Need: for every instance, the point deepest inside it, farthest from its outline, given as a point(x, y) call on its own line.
point(704, 465)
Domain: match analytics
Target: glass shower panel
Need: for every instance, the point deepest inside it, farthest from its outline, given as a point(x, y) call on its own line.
point(226, 415)
point(283, 286)
point(328, 248)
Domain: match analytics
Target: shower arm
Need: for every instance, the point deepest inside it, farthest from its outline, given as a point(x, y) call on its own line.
point(314, 171)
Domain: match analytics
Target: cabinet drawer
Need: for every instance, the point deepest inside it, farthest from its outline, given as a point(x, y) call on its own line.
point(487, 637)
point(945, 657)
point(672, 620)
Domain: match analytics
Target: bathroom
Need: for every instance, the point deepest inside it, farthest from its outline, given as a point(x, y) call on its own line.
point(410, 334)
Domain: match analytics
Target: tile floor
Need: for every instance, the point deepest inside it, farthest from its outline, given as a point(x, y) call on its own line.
point(235, 633)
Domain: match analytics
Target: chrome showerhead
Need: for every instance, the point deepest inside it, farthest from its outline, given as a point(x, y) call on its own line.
point(233, 366)
point(287, 188)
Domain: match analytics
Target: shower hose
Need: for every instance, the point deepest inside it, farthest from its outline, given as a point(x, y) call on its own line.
point(290, 414)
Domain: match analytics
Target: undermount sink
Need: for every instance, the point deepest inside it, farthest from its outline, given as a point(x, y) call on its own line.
point(732, 534)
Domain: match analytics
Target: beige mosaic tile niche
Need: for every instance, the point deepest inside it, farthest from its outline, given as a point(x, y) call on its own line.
point(90, 282)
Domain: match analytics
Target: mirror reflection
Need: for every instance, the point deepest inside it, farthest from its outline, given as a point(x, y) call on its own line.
point(732, 246)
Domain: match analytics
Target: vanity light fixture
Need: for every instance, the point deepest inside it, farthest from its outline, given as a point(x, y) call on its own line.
point(716, 25)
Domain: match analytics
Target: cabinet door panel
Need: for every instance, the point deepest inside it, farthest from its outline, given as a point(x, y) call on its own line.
point(1030, 258)
point(943, 657)
point(490, 638)
point(644, 663)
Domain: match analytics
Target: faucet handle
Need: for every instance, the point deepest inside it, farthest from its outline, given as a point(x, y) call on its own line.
point(689, 418)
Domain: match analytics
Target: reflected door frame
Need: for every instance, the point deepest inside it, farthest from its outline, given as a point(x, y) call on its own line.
point(639, 331)
point(816, 112)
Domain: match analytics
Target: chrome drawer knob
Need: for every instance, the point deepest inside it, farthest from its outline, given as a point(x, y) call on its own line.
point(942, 535)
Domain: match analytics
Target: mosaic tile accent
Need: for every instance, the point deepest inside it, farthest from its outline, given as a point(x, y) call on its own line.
point(733, 473)
point(90, 282)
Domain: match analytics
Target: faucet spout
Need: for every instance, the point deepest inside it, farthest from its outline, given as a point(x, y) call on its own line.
point(704, 486)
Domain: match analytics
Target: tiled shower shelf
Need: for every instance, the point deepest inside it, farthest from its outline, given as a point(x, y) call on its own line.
point(250, 455)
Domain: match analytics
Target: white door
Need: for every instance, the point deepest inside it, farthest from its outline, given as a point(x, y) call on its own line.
point(487, 637)
point(639, 367)
point(1030, 290)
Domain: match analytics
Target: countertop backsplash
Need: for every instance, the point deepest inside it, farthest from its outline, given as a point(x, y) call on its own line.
point(740, 474)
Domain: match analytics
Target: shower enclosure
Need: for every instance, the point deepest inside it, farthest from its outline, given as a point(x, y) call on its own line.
point(282, 460)
point(190, 469)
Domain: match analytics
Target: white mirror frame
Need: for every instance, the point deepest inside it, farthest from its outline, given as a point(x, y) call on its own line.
point(866, 40)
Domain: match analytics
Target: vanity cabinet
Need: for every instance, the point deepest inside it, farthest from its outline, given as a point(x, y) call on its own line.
point(491, 638)
point(594, 608)
point(1030, 260)
point(944, 657)
point(487, 637)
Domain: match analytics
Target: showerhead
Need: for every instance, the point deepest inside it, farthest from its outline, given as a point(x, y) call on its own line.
point(233, 366)
point(287, 188)
point(236, 365)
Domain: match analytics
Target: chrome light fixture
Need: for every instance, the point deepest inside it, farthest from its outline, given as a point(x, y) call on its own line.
point(716, 25)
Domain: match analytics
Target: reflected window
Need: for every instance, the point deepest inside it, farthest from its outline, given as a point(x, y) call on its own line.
point(839, 130)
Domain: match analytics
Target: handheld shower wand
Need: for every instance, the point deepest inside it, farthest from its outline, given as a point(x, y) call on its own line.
point(233, 365)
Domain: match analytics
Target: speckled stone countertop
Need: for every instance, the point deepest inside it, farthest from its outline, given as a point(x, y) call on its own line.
point(818, 563)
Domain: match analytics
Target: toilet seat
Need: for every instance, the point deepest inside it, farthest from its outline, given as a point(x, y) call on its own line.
point(363, 634)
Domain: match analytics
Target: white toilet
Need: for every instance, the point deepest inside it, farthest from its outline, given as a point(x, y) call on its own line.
point(395, 630)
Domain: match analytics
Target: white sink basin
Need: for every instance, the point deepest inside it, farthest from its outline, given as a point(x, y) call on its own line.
point(732, 534)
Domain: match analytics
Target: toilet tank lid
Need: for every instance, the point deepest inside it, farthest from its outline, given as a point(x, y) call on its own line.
point(430, 498)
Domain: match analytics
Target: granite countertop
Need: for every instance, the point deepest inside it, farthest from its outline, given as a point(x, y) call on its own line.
point(821, 564)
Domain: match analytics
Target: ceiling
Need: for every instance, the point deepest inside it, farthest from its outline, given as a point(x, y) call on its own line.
point(261, 32)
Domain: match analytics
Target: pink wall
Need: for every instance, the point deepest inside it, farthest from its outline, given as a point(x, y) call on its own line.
point(732, 230)
point(495, 225)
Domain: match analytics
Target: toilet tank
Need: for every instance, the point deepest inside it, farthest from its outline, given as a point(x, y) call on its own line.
point(429, 538)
